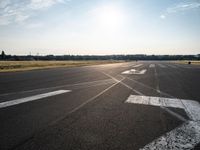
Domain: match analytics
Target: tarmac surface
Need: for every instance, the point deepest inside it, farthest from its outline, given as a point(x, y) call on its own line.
point(91, 112)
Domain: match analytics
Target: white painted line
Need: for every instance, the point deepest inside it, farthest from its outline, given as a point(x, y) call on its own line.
point(161, 65)
point(133, 71)
point(187, 136)
point(143, 71)
point(146, 86)
point(59, 86)
point(155, 101)
point(152, 66)
point(31, 98)
point(126, 66)
point(122, 83)
point(157, 81)
point(137, 65)
point(126, 72)
point(173, 66)
point(192, 109)
point(92, 98)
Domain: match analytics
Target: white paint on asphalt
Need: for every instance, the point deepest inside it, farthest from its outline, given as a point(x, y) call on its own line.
point(124, 84)
point(187, 136)
point(60, 86)
point(161, 65)
point(134, 71)
point(31, 98)
point(131, 65)
point(138, 65)
point(146, 86)
point(172, 66)
point(152, 66)
point(91, 99)
point(192, 108)
point(157, 81)
point(155, 101)
point(126, 66)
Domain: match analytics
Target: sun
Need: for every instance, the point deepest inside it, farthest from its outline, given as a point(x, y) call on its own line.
point(110, 17)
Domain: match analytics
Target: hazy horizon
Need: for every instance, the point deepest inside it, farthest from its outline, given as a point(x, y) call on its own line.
point(48, 54)
point(75, 27)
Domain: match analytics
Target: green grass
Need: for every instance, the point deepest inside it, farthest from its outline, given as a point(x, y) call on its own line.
point(8, 66)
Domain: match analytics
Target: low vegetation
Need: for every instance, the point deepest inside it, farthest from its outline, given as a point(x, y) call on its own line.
point(6, 66)
point(193, 62)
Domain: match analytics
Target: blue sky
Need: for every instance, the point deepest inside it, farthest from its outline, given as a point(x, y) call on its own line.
point(100, 26)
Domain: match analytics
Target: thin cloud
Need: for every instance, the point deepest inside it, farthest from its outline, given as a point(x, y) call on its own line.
point(17, 11)
point(181, 7)
point(41, 4)
point(4, 3)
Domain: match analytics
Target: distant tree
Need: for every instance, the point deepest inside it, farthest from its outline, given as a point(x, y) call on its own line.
point(3, 55)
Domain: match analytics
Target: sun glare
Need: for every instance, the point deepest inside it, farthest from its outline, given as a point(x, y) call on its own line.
point(109, 17)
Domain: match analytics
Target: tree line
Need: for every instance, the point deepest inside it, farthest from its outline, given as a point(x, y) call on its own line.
point(98, 57)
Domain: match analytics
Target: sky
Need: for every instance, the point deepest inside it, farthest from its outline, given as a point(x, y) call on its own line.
point(99, 27)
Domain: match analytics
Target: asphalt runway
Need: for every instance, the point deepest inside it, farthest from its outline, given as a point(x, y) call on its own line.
point(123, 106)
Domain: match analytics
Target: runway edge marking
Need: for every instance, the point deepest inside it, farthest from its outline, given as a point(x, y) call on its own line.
point(186, 136)
point(31, 98)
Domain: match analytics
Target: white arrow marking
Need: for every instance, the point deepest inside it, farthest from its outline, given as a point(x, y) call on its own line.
point(133, 71)
point(152, 66)
point(187, 136)
point(31, 98)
